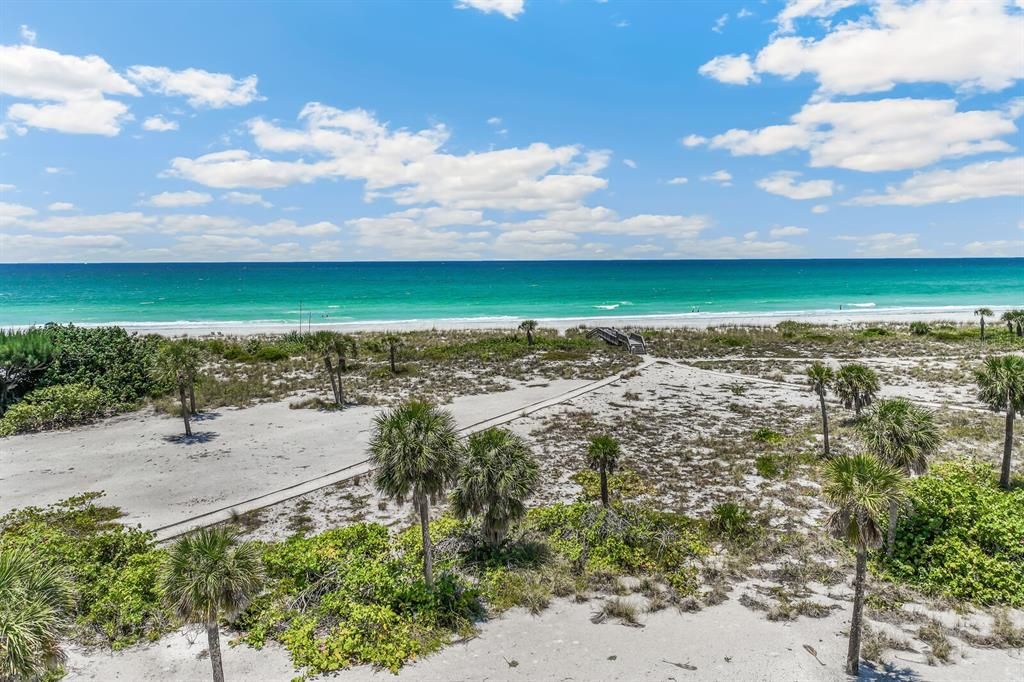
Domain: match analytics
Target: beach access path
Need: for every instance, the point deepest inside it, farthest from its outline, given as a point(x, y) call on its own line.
point(237, 460)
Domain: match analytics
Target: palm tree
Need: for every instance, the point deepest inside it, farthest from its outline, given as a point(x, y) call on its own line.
point(197, 349)
point(497, 475)
point(1014, 319)
point(1007, 317)
point(210, 575)
point(415, 451)
point(603, 455)
point(23, 354)
point(982, 313)
point(394, 342)
point(1001, 387)
point(34, 602)
point(819, 377)
point(528, 326)
point(903, 436)
point(856, 386)
point(178, 362)
point(324, 343)
point(344, 347)
point(859, 488)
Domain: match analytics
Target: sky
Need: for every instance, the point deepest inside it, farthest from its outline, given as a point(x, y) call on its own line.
point(510, 129)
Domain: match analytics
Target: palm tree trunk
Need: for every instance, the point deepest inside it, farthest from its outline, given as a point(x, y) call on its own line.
point(1004, 475)
point(334, 381)
point(392, 357)
point(529, 337)
point(428, 551)
point(3, 396)
point(853, 655)
point(982, 328)
point(824, 422)
point(192, 395)
point(184, 407)
point(890, 541)
point(213, 635)
point(604, 486)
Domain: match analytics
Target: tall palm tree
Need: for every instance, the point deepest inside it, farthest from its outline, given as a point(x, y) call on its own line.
point(603, 455)
point(196, 350)
point(859, 488)
point(324, 343)
point(1001, 387)
point(856, 386)
point(393, 342)
point(23, 354)
point(34, 603)
point(344, 347)
point(210, 575)
point(415, 450)
point(903, 436)
point(178, 362)
point(982, 313)
point(497, 475)
point(1007, 317)
point(528, 326)
point(819, 377)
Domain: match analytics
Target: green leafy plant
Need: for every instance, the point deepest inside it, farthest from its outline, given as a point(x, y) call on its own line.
point(55, 407)
point(23, 357)
point(108, 358)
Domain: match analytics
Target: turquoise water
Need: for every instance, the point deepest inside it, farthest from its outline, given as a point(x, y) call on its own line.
point(271, 293)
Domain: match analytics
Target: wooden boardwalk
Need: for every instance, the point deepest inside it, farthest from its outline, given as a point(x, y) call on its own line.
point(631, 341)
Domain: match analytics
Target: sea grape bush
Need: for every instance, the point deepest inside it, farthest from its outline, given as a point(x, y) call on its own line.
point(54, 407)
point(962, 536)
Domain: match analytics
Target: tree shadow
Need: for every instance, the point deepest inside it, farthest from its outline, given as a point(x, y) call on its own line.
point(205, 416)
point(197, 437)
point(887, 671)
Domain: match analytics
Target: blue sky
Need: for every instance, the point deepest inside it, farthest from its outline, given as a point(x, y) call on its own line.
point(487, 129)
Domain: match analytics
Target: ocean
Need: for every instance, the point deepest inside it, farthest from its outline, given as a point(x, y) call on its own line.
point(182, 294)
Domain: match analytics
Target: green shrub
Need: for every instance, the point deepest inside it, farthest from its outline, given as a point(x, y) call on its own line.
point(768, 436)
point(919, 328)
point(625, 485)
point(113, 569)
point(54, 407)
point(961, 536)
point(731, 521)
point(767, 466)
point(108, 358)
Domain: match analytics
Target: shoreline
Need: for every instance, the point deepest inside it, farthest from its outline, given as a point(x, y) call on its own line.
point(957, 314)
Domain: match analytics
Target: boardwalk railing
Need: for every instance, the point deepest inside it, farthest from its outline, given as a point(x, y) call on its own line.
point(632, 341)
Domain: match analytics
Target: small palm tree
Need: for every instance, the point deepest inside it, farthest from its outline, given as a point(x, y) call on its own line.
point(324, 344)
point(34, 603)
point(393, 342)
point(497, 475)
point(856, 386)
point(528, 326)
point(819, 377)
point(344, 347)
point(1001, 387)
point(982, 313)
point(415, 450)
point(903, 436)
point(23, 354)
point(209, 575)
point(859, 488)
point(178, 362)
point(603, 455)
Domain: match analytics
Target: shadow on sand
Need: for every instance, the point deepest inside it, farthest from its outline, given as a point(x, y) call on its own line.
point(196, 437)
point(887, 672)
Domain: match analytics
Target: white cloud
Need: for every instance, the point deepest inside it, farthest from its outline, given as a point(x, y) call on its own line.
point(1010, 248)
point(974, 181)
point(10, 212)
point(720, 176)
point(784, 183)
point(202, 88)
point(408, 167)
point(973, 44)
point(630, 163)
point(178, 199)
point(510, 9)
point(678, 181)
point(880, 135)
point(732, 247)
point(720, 23)
point(733, 69)
point(5, 187)
point(884, 244)
point(744, 13)
point(797, 9)
point(55, 170)
point(24, 248)
point(159, 124)
point(819, 208)
point(121, 222)
point(494, 121)
point(693, 140)
point(27, 34)
point(788, 231)
point(61, 206)
point(250, 198)
point(70, 91)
